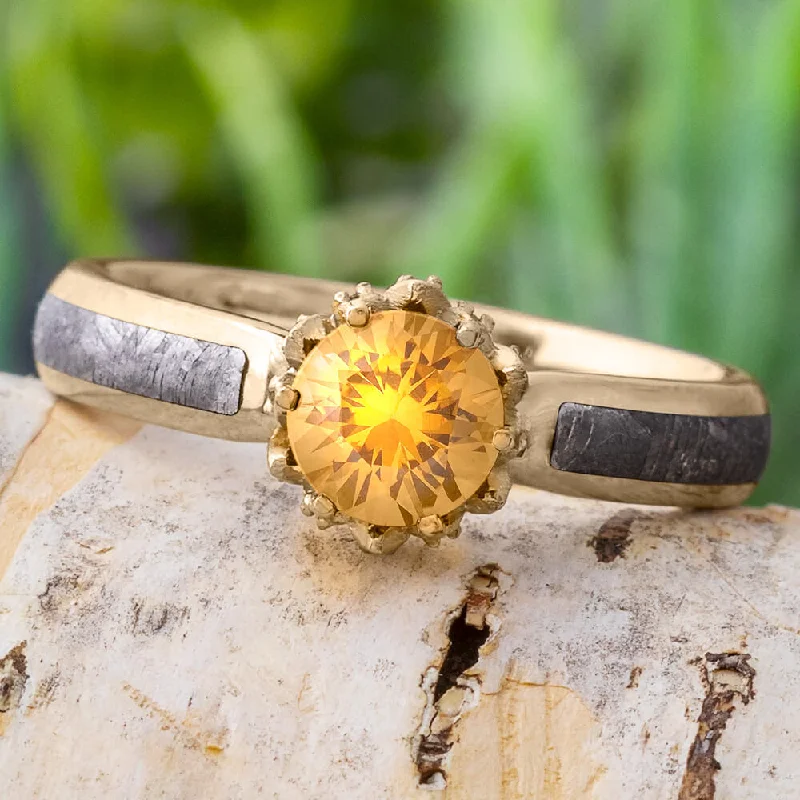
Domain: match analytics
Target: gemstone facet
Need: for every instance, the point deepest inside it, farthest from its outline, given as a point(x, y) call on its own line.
point(395, 419)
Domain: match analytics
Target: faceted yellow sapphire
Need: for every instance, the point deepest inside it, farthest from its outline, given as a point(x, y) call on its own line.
point(395, 420)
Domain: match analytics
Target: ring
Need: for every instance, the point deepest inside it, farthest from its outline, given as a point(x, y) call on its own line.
point(399, 410)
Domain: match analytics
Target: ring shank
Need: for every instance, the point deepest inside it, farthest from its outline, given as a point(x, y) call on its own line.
point(278, 300)
point(174, 315)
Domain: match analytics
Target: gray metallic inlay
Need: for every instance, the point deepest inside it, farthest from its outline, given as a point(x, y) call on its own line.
point(670, 448)
point(138, 360)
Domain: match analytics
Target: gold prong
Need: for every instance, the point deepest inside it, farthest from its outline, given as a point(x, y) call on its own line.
point(468, 333)
point(356, 313)
point(280, 460)
point(304, 336)
point(363, 288)
point(307, 504)
point(503, 440)
point(286, 398)
point(376, 543)
point(465, 307)
point(493, 494)
point(320, 507)
point(508, 365)
point(428, 526)
point(324, 511)
point(435, 280)
point(404, 278)
point(323, 507)
point(431, 529)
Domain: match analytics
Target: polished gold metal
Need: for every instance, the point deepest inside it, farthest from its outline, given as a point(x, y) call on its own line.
point(503, 440)
point(543, 364)
point(357, 313)
point(286, 398)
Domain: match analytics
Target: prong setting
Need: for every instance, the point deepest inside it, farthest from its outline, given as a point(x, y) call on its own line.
point(307, 503)
point(321, 508)
point(363, 289)
point(286, 398)
point(356, 309)
point(469, 333)
point(492, 495)
point(379, 541)
point(356, 313)
point(280, 459)
point(304, 336)
point(487, 322)
point(324, 511)
point(503, 440)
point(431, 529)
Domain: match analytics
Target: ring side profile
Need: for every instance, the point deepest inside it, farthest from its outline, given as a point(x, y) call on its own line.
point(398, 410)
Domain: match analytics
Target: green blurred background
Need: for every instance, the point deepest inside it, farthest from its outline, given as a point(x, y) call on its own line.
point(627, 164)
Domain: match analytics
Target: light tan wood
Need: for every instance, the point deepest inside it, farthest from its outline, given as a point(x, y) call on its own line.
point(69, 443)
point(172, 626)
point(527, 740)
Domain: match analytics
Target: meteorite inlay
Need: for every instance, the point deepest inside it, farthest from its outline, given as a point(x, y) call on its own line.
point(670, 448)
point(138, 360)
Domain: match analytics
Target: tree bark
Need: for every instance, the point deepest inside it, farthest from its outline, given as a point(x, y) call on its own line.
point(172, 626)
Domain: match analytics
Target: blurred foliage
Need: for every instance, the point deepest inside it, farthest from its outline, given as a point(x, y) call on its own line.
point(628, 164)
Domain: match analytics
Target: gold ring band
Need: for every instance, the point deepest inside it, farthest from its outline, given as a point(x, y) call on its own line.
point(578, 382)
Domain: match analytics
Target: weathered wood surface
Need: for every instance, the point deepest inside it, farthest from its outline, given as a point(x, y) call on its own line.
point(172, 626)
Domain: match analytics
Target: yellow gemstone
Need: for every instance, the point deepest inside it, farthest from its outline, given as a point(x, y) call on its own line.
point(395, 419)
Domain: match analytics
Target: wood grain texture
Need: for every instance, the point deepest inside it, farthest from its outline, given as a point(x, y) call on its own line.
point(673, 448)
point(138, 360)
point(51, 464)
point(24, 405)
point(171, 626)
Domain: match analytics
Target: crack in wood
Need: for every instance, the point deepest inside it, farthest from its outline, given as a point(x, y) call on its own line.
point(13, 679)
point(450, 689)
point(728, 678)
point(465, 643)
